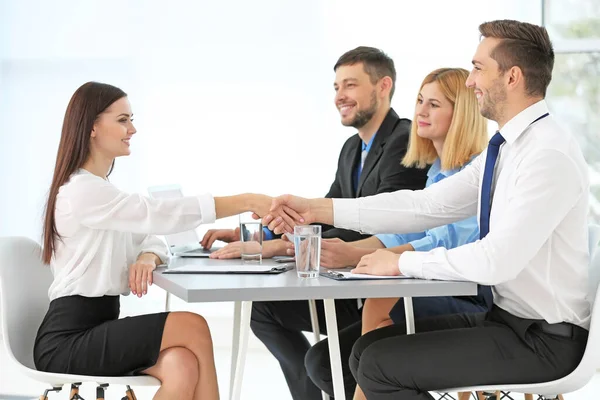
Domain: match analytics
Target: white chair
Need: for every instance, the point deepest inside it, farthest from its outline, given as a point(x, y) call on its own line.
point(591, 357)
point(24, 283)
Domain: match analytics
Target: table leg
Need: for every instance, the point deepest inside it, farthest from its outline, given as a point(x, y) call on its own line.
point(334, 349)
point(241, 329)
point(409, 315)
point(314, 320)
point(167, 301)
point(237, 317)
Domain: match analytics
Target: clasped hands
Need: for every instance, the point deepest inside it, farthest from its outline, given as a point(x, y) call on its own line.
point(285, 212)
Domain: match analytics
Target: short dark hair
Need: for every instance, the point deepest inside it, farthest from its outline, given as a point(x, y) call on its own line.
point(526, 46)
point(376, 63)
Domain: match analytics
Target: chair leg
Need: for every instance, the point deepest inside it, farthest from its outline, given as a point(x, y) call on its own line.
point(129, 394)
point(54, 389)
point(74, 395)
point(464, 395)
point(100, 391)
point(528, 396)
point(489, 395)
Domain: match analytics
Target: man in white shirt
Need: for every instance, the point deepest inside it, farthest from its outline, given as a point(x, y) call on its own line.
point(530, 192)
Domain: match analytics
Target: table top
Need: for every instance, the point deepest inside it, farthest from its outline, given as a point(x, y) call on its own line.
point(287, 286)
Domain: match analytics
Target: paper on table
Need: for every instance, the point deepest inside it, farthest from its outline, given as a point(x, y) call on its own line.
point(224, 268)
point(350, 275)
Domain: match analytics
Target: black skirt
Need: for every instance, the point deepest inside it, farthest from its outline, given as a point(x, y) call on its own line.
point(83, 335)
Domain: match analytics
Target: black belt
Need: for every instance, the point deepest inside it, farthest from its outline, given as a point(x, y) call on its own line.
point(563, 329)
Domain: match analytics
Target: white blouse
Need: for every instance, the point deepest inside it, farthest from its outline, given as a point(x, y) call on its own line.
point(103, 230)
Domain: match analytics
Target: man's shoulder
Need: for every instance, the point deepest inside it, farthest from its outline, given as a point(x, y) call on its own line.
point(352, 141)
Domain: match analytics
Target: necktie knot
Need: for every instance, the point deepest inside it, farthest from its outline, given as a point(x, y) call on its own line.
point(497, 139)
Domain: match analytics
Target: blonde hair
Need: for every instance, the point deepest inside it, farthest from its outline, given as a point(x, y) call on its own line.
point(467, 134)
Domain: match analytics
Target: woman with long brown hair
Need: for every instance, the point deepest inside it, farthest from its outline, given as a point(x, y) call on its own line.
point(99, 243)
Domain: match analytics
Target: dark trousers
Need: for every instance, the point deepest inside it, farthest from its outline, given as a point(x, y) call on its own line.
point(462, 350)
point(317, 359)
point(279, 325)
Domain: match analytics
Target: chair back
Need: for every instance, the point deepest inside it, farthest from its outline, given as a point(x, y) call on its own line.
point(24, 283)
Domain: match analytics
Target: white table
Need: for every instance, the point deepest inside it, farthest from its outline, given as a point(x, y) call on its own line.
point(244, 289)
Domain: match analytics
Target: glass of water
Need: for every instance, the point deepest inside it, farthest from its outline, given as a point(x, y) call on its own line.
point(307, 242)
point(251, 236)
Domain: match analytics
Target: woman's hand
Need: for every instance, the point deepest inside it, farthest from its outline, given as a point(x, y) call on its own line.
point(224, 235)
point(140, 273)
point(270, 248)
point(335, 253)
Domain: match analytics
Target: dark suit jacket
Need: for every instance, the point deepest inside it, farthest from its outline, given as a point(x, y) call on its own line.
point(382, 172)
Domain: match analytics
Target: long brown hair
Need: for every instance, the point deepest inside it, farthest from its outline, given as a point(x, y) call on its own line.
point(86, 104)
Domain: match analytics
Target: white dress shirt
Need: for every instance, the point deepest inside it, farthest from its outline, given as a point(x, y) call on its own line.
point(104, 230)
point(536, 253)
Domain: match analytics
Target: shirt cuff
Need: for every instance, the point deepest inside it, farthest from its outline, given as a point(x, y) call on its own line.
point(267, 234)
point(389, 240)
point(346, 214)
point(207, 208)
point(423, 244)
point(411, 264)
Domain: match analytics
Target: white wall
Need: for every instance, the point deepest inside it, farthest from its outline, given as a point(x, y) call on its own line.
point(228, 96)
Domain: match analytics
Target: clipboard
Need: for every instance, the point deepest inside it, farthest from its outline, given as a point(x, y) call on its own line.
point(230, 269)
point(349, 276)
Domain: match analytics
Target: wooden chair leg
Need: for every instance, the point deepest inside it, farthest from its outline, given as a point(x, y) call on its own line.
point(54, 389)
point(528, 396)
point(74, 395)
point(464, 395)
point(480, 396)
point(129, 394)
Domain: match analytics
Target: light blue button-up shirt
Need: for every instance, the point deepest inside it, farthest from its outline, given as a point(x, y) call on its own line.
point(448, 236)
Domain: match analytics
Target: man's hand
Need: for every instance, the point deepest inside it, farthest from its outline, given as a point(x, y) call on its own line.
point(140, 273)
point(286, 212)
point(224, 235)
point(382, 262)
point(290, 249)
point(270, 249)
point(335, 253)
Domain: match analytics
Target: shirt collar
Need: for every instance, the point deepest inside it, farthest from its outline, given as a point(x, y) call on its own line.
point(520, 122)
point(436, 168)
point(367, 146)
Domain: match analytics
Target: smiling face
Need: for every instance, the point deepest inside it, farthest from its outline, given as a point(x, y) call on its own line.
point(488, 82)
point(113, 130)
point(356, 97)
point(433, 113)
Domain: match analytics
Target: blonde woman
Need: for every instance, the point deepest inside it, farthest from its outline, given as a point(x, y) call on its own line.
point(447, 133)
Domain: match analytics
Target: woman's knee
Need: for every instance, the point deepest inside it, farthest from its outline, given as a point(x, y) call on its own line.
point(178, 367)
point(188, 330)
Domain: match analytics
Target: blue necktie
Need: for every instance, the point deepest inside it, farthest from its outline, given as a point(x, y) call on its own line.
point(486, 185)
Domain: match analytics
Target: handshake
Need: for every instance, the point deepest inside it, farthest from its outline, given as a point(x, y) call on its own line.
point(287, 211)
point(280, 215)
